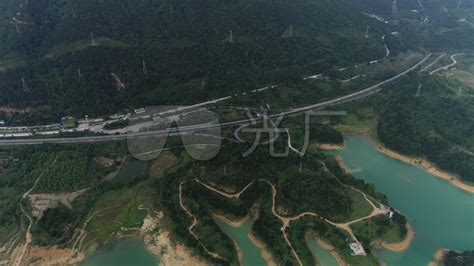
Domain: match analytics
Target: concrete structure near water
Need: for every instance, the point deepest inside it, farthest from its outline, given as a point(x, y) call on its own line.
point(357, 249)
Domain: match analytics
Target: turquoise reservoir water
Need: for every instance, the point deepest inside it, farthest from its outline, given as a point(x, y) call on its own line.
point(252, 256)
point(126, 253)
point(441, 214)
point(250, 253)
point(323, 256)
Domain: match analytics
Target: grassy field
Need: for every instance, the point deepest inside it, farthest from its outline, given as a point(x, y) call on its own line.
point(229, 114)
point(82, 45)
point(379, 227)
point(111, 148)
point(11, 61)
point(360, 206)
point(69, 122)
point(118, 212)
point(392, 65)
point(161, 164)
point(464, 72)
point(464, 13)
point(360, 121)
point(131, 170)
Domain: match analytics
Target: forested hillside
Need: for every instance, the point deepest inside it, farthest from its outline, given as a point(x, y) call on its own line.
point(436, 25)
point(437, 124)
point(429, 116)
point(384, 7)
point(453, 258)
point(170, 52)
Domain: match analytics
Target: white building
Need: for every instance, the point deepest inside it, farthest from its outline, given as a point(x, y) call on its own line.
point(357, 249)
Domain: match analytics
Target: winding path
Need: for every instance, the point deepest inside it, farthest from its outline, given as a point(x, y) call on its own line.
point(453, 58)
point(300, 153)
point(286, 220)
point(194, 223)
point(29, 236)
point(77, 246)
point(349, 79)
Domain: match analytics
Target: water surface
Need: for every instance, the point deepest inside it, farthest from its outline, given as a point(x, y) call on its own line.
point(250, 253)
point(441, 215)
point(323, 256)
point(127, 252)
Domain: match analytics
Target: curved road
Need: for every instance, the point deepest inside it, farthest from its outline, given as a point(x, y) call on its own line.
point(29, 236)
point(190, 129)
point(194, 223)
point(434, 62)
point(286, 220)
point(453, 58)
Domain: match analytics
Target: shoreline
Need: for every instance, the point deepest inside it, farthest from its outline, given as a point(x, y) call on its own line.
point(233, 223)
point(240, 254)
point(397, 247)
point(332, 251)
point(158, 241)
point(159, 244)
point(331, 147)
point(324, 245)
point(404, 244)
point(341, 164)
point(266, 255)
point(428, 166)
point(438, 258)
point(51, 255)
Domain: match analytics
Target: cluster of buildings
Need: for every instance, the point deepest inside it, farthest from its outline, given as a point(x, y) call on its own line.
point(70, 124)
point(66, 124)
point(24, 131)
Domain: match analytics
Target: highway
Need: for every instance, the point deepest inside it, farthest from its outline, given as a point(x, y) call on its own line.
point(190, 129)
point(434, 62)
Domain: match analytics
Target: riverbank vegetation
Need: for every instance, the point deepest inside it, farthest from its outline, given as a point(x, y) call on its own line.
point(82, 57)
point(423, 117)
point(314, 227)
point(454, 258)
point(296, 188)
point(116, 207)
point(427, 116)
point(437, 125)
point(381, 228)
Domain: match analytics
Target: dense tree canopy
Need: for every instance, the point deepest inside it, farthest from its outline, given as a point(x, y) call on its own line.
point(162, 50)
point(438, 125)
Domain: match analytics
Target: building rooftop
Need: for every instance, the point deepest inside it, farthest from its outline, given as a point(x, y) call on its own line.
point(357, 249)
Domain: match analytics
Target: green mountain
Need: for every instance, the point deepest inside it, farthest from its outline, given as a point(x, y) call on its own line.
point(64, 57)
point(170, 52)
